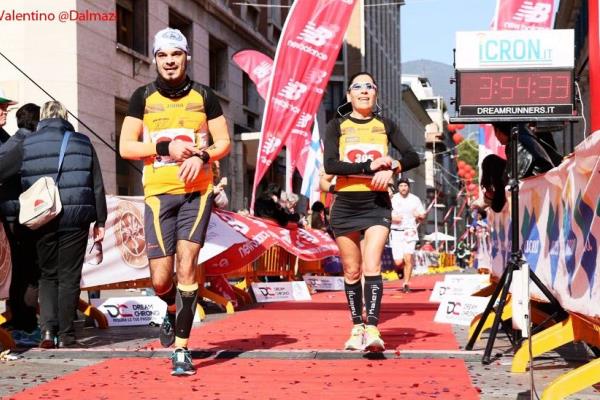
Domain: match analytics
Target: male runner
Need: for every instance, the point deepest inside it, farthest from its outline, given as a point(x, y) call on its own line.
point(177, 127)
point(407, 212)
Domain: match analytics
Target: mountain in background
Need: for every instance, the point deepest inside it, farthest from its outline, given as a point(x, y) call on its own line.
point(439, 75)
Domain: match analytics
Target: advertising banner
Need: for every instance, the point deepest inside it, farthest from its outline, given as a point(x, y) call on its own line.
point(268, 292)
point(559, 214)
point(324, 282)
point(460, 310)
point(501, 50)
point(524, 14)
point(306, 53)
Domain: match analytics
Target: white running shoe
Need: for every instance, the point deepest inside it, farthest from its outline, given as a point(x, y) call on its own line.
point(357, 338)
point(373, 341)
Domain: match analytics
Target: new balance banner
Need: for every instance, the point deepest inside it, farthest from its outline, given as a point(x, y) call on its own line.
point(232, 241)
point(309, 45)
point(307, 244)
point(258, 66)
point(559, 214)
point(524, 14)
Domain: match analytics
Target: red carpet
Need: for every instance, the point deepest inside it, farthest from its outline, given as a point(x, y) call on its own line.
point(264, 379)
point(324, 323)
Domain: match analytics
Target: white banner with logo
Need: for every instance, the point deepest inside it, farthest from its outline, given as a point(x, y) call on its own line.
point(124, 247)
point(460, 310)
point(280, 291)
point(131, 311)
point(559, 229)
point(500, 50)
point(458, 286)
point(324, 282)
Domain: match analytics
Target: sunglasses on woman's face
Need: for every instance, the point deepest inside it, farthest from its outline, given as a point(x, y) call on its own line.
point(365, 86)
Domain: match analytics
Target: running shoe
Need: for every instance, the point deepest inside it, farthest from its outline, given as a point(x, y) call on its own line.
point(167, 330)
point(356, 340)
point(182, 363)
point(406, 289)
point(373, 341)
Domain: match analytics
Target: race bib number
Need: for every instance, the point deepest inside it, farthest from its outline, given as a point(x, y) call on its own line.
point(361, 152)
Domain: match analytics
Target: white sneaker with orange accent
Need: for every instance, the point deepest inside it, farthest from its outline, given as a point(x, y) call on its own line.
point(373, 341)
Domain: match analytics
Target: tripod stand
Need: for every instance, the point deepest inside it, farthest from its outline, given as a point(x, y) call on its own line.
point(514, 263)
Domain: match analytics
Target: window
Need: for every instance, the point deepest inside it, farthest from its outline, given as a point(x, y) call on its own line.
point(219, 63)
point(250, 94)
point(132, 25)
point(184, 25)
point(129, 180)
point(334, 97)
point(251, 15)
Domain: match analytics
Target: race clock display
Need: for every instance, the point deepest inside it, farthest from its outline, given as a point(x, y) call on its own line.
point(515, 93)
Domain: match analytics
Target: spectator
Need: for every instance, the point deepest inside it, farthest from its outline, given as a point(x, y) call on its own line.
point(4, 104)
point(62, 242)
point(25, 272)
point(317, 219)
point(220, 197)
point(534, 157)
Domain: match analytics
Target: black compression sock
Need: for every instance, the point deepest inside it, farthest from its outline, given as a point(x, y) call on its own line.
point(169, 296)
point(354, 296)
point(373, 295)
point(187, 298)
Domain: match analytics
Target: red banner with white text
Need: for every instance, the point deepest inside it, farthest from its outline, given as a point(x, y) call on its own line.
point(307, 244)
point(258, 66)
point(524, 14)
point(309, 45)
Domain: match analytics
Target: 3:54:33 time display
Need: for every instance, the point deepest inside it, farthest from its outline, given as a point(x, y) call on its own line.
point(516, 87)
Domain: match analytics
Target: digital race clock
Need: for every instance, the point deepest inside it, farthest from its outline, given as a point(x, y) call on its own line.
point(515, 76)
point(510, 93)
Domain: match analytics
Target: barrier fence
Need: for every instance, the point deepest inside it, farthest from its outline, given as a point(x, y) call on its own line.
point(559, 233)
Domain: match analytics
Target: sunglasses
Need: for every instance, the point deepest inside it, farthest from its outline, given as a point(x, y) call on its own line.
point(361, 86)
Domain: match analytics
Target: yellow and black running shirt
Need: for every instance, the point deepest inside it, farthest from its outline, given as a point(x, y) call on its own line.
point(165, 119)
point(351, 144)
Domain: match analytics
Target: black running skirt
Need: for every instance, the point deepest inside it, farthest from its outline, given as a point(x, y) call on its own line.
point(357, 211)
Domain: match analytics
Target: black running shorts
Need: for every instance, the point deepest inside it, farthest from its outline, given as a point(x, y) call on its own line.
point(358, 211)
point(169, 218)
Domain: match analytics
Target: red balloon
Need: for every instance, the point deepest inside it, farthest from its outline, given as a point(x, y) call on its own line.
point(457, 138)
point(455, 127)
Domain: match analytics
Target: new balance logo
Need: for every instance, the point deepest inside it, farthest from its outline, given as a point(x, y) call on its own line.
point(293, 90)
point(317, 36)
point(262, 70)
point(533, 13)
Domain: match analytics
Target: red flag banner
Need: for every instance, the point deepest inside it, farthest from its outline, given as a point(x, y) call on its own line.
point(524, 14)
point(258, 66)
point(307, 244)
point(306, 53)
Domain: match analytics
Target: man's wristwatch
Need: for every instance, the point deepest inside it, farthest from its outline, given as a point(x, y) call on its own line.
point(204, 156)
point(395, 165)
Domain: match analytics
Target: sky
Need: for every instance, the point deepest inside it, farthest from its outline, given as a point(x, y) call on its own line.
point(428, 26)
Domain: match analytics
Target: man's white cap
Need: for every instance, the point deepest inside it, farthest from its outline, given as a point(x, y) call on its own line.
point(170, 38)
